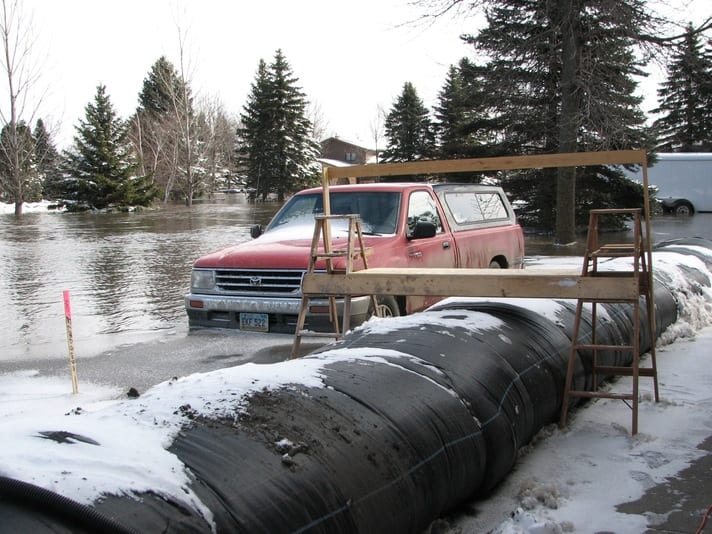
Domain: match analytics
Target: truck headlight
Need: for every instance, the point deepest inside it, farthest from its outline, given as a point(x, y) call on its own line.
point(202, 279)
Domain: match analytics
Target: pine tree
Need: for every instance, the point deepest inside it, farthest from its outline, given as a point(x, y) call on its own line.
point(296, 150)
point(275, 145)
point(160, 89)
point(48, 162)
point(685, 99)
point(255, 133)
point(463, 124)
point(560, 79)
point(409, 130)
point(451, 114)
point(101, 163)
point(160, 130)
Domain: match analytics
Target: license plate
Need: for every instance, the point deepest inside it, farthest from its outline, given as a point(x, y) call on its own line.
point(259, 322)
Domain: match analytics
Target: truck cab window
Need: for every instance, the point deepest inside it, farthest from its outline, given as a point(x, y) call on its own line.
point(422, 207)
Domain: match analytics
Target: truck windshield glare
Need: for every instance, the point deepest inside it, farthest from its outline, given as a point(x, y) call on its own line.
point(378, 210)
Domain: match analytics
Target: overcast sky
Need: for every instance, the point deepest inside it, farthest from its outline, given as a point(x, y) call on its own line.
point(350, 56)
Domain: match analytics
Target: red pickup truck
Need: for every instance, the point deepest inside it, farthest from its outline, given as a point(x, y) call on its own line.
point(256, 285)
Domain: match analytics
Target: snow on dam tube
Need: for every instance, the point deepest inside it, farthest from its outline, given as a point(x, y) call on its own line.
point(400, 421)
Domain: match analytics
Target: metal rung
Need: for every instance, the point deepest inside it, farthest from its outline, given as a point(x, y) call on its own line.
point(601, 395)
point(605, 347)
point(337, 254)
point(312, 333)
point(623, 371)
point(613, 253)
point(612, 274)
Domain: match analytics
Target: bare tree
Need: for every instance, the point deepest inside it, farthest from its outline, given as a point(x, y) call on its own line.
point(377, 127)
point(21, 76)
point(319, 123)
point(216, 133)
point(185, 123)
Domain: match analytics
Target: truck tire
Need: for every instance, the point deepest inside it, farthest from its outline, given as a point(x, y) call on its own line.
point(388, 306)
point(683, 208)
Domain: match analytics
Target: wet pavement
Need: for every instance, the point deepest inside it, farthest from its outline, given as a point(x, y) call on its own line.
point(681, 503)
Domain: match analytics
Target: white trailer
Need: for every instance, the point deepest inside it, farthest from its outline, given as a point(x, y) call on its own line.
point(683, 181)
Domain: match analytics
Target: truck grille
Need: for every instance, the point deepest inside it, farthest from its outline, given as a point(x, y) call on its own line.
point(258, 281)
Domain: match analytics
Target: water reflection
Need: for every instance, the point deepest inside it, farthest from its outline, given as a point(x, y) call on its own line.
point(127, 273)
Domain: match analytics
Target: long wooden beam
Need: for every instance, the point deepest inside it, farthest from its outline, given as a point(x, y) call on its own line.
point(539, 161)
point(518, 283)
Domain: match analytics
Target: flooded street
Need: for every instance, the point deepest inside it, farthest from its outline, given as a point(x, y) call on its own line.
point(127, 274)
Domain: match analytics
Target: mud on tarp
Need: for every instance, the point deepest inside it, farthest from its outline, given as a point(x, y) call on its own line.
point(417, 414)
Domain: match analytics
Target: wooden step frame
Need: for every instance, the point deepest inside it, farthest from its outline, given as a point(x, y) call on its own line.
point(354, 249)
point(640, 275)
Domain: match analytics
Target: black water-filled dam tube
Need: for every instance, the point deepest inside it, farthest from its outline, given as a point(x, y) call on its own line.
point(414, 415)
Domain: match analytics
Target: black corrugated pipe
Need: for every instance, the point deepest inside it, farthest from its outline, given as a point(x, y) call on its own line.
point(415, 416)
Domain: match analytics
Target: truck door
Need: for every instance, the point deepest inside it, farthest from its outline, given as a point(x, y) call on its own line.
point(436, 251)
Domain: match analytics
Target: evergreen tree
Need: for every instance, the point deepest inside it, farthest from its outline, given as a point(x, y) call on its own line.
point(160, 89)
point(275, 144)
point(463, 123)
point(255, 133)
point(451, 114)
point(559, 77)
point(409, 130)
point(156, 130)
point(48, 162)
point(685, 99)
point(101, 163)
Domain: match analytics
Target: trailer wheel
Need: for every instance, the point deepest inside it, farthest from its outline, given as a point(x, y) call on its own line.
point(683, 208)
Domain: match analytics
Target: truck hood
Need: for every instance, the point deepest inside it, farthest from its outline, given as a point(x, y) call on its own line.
point(286, 248)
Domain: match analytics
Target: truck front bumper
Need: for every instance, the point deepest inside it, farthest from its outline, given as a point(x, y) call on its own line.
point(221, 311)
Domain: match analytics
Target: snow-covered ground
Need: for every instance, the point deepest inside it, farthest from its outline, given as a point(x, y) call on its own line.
point(571, 480)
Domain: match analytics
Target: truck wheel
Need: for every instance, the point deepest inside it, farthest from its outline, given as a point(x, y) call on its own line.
point(683, 208)
point(388, 306)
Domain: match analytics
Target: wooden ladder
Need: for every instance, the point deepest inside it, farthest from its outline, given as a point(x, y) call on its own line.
point(322, 233)
point(642, 274)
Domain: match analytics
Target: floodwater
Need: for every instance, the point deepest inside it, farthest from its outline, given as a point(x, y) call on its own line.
point(662, 228)
point(127, 273)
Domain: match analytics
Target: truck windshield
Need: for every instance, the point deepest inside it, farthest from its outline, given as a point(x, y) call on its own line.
point(378, 210)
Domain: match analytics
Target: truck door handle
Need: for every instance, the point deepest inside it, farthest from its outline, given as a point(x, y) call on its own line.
point(417, 254)
point(446, 244)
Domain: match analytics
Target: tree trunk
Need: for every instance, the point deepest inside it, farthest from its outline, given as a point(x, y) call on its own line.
point(568, 123)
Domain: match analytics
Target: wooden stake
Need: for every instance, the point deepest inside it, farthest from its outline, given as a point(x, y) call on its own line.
point(70, 342)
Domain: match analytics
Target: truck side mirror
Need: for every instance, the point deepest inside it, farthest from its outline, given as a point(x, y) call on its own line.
point(256, 230)
point(424, 229)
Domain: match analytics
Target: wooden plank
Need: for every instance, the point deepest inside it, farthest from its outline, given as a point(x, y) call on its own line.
point(518, 283)
point(539, 161)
